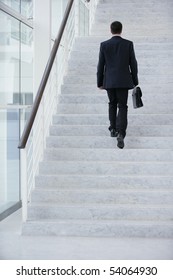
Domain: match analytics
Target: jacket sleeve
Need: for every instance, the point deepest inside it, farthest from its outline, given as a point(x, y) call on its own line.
point(133, 65)
point(100, 67)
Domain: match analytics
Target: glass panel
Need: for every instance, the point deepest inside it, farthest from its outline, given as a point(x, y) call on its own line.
point(14, 4)
point(27, 8)
point(9, 119)
point(16, 88)
point(9, 160)
point(9, 58)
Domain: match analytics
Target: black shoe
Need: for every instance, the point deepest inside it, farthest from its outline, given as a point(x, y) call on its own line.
point(120, 140)
point(113, 133)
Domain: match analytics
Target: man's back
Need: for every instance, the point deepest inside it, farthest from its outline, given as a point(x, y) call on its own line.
point(117, 67)
point(117, 73)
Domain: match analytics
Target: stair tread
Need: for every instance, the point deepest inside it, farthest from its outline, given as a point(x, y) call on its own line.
point(108, 136)
point(110, 190)
point(108, 149)
point(116, 189)
point(109, 161)
point(116, 222)
point(103, 125)
point(105, 115)
point(106, 176)
point(99, 205)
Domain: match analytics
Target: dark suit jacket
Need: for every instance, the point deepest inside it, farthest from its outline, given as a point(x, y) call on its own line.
point(117, 66)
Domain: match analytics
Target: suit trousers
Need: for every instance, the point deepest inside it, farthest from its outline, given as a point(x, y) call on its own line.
point(118, 108)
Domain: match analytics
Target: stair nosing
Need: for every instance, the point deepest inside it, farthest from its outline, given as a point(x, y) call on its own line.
point(100, 205)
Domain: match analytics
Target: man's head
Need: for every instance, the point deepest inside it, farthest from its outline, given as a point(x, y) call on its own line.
point(116, 27)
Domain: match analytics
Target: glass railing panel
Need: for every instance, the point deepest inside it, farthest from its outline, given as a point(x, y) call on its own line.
point(9, 58)
point(14, 4)
point(23, 7)
point(9, 160)
point(16, 62)
point(12, 120)
point(27, 8)
point(16, 91)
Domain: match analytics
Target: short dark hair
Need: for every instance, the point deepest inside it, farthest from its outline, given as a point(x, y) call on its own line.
point(116, 27)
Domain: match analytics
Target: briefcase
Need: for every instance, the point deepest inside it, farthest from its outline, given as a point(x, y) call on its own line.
point(137, 97)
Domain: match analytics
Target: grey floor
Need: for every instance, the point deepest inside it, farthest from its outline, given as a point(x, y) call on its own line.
point(14, 246)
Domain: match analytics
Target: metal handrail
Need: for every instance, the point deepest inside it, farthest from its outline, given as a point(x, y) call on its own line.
point(44, 79)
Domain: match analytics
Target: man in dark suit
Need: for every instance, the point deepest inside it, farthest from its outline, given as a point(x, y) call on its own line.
point(117, 72)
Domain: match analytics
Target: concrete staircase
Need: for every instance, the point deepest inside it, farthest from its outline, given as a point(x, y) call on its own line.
point(86, 185)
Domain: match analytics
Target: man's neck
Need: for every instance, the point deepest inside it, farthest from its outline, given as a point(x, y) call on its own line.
point(116, 35)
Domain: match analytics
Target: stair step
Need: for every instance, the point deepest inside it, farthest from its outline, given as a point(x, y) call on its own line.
point(80, 45)
point(131, 5)
point(90, 79)
point(140, 119)
point(106, 167)
point(132, 29)
point(76, 91)
point(104, 181)
point(111, 12)
point(144, 2)
point(103, 109)
point(95, 196)
point(100, 212)
point(107, 142)
point(101, 98)
point(100, 228)
point(150, 70)
point(92, 52)
point(154, 61)
point(102, 130)
point(97, 154)
point(140, 39)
